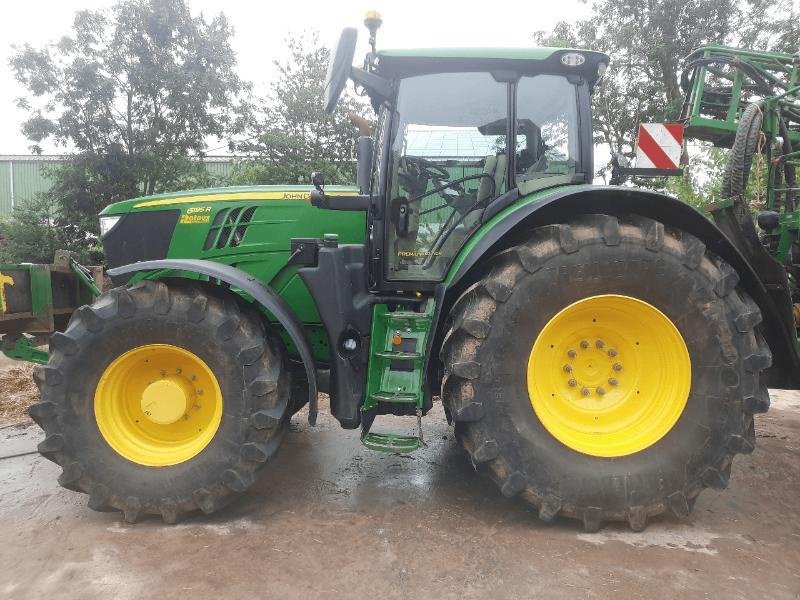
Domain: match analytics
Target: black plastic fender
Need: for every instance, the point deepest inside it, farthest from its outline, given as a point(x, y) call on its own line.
point(566, 203)
point(263, 294)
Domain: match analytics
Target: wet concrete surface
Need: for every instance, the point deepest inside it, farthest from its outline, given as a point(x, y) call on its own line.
point(330, 519)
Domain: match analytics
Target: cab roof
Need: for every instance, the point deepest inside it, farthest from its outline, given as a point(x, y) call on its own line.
point(501, 53)
point(525, 61)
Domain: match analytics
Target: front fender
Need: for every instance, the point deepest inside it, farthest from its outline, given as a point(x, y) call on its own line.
point(505, 225)
point(265, 296)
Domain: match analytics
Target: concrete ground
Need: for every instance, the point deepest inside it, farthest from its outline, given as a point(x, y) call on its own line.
point(330, 519)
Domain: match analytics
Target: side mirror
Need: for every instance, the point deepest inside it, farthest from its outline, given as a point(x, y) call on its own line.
point(339, 68)
point(318, 180)
point(365, 153)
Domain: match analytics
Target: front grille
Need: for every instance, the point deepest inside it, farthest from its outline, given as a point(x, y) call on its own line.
point(229, 227)
point(140, 236)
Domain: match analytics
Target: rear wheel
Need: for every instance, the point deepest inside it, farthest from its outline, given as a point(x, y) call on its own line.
point(162, 400)
point(606, 370)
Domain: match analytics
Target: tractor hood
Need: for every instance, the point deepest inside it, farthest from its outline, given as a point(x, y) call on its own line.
point(222, 224)
point(256, 193)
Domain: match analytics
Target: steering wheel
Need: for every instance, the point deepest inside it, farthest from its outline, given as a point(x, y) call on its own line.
point(418, 172)
point(428, 169)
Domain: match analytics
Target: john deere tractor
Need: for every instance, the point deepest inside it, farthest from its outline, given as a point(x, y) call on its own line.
point(600, 350)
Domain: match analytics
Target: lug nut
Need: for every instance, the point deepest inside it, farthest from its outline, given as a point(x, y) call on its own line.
point(568, 368)
point(613, 381)
point(617, 367)
point(600, 391)
point(585, 391)
point(612, 353)
point(572, 354)
point(599, 344)
point(584, 344)
point(572, 383)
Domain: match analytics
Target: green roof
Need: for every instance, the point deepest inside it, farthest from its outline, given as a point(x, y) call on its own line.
point(492, 53)
point(406, 63)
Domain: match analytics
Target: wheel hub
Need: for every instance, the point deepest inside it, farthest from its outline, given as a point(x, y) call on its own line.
point(167, 400)
point(158, 405)
point(594, 372)
point(609, 375)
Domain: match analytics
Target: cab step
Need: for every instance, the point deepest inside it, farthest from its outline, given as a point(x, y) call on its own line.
point(395, 397)
point(397, 355)
point(391, 442)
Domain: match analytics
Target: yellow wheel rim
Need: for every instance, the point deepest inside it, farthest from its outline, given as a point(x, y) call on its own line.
point(609, 375)
point(158, 405)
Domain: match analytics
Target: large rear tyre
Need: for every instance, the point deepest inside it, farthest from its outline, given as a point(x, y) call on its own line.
point(162, 399)
point(606, 370)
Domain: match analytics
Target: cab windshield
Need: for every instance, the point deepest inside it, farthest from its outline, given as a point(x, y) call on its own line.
point(449, 159)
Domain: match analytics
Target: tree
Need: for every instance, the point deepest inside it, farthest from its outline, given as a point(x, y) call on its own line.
point(133, 92)
point(32, 234)
point(291, 135)
point(770, 25)
point(646, 42)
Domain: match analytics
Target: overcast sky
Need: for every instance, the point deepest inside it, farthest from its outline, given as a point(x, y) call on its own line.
point(261, 26)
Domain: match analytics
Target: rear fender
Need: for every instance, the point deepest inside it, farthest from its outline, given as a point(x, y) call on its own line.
point(265, 296)
point(506, 226)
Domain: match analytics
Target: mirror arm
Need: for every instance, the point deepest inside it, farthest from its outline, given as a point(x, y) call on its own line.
point(322, 200)
point(374, 83)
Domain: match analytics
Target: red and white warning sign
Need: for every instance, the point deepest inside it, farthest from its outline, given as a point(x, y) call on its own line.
point(659, 146)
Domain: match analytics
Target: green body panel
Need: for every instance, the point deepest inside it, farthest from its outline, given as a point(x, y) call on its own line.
point(385, 384)
point(487, 227)
point(789, 233)
point(396, 371)
point(279, 213)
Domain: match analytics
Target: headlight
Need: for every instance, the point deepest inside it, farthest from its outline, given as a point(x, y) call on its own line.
point(572, 59)
point(107, 224)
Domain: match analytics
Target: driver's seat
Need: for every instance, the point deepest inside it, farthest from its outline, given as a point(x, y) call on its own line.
point(495, 167)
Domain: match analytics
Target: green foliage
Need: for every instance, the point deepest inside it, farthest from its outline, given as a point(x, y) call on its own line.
point(134, 92)
point(770, 25)
point(702, 181)
point(33, 233)
point(291, 135)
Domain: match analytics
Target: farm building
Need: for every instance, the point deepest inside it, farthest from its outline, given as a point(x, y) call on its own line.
point(23, 176)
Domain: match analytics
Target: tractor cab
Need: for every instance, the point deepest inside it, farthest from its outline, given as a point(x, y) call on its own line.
point(459, 131)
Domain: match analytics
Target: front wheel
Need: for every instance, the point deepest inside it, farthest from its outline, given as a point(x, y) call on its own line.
point(606, 370)
point(162, 399)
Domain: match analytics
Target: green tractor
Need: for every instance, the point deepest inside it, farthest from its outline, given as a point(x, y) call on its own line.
point(600, 350)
